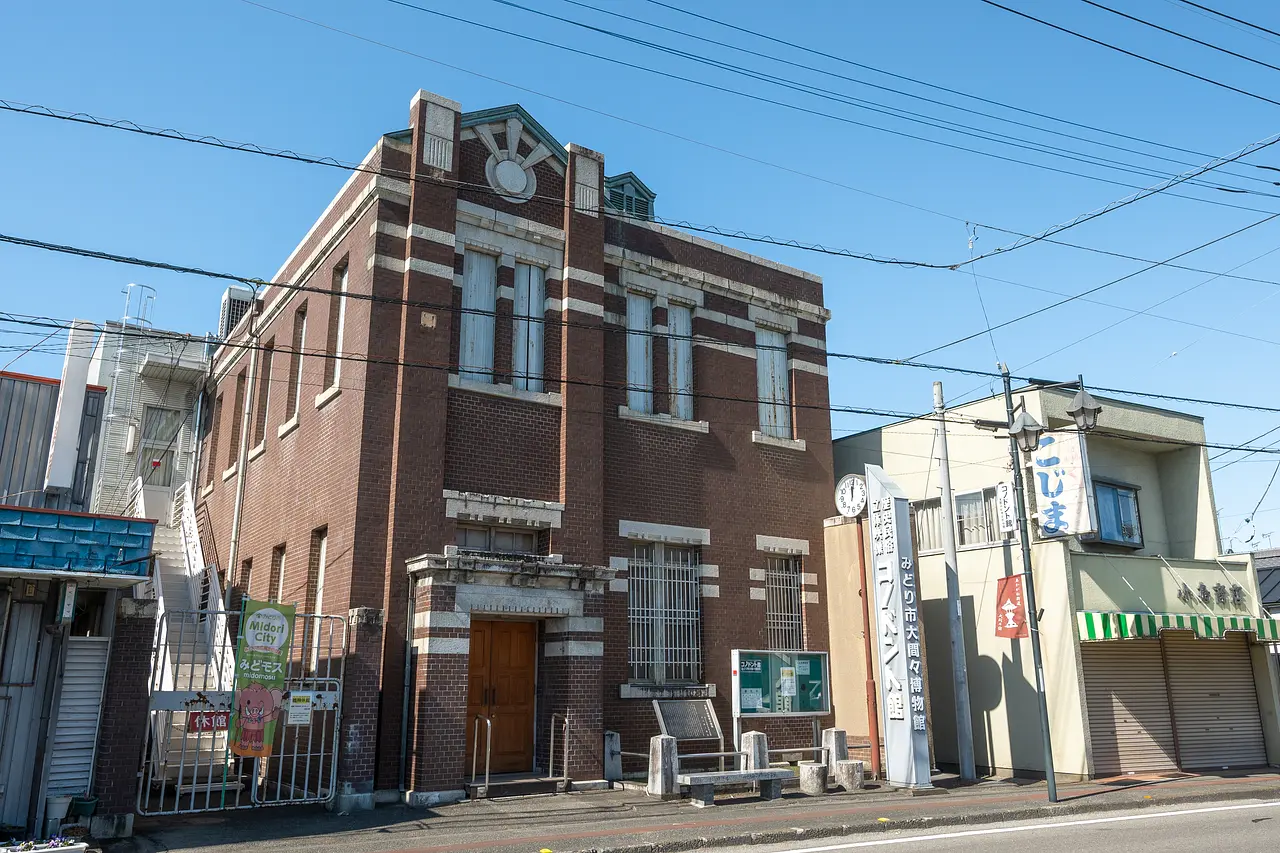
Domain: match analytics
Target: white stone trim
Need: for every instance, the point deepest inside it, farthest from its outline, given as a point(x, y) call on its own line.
point(806, 366)
point(441, 619)
point(387, 262)
point(443, 645)
point(808, 341)
point(511, 247)
point(725, 250)
point(595, 309)
point(576, 624)
point(554, 304)
point(663, 420)
point(378, 226)
point(798, 444)
point(760, 315)
point(510, 392)
point(328, 394)
point(259, 450)
point(808, 578)
point(665, 287)
point(758, 593)
point(433, 98)
point(584, 276)
point(724, 346)
point(506, 292)
point(287, 427)
point(664, 533)
point(709, 570)
point(507, 223)
point(757, 574)
point(431, 268)
point(710, 590)
point(618, 585)
point(229, 473)
point(614, 319)
point(434, 235)
point(809, 597)
point(573, 649)
point(619, 564)
point(502, 509)
point(782, 545)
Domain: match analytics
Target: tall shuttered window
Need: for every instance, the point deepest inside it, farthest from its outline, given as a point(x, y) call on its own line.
point(479, 301)
point(295, 361)
point(264, 393)
point(639, 352)
point(773, 385)
point(215, 428)
point(527, 343)
point(333, 335)
point(680, 360)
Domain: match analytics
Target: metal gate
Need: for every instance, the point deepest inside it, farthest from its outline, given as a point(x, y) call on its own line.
point(188, 766)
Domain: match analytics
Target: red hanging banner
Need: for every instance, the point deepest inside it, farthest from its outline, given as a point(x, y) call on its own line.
point(1011, 610)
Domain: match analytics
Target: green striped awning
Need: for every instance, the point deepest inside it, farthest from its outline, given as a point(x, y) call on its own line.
point(1100, 625)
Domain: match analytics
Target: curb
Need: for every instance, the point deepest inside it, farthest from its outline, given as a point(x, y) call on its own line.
point(979, 818)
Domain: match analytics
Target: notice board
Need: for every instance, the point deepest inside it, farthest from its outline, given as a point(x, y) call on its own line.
point(781, 684)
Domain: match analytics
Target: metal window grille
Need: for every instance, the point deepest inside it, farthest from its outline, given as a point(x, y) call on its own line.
point(664, 608)
point(784, 614)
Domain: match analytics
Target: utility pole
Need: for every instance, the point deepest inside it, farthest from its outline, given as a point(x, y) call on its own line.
point(959, 661)
point(1033, 615)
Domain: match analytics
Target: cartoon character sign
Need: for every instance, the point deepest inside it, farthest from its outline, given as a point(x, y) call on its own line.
point(262, 662)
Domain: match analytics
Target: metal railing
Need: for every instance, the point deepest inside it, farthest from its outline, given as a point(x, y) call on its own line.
point(564, 748)
point(475, 749)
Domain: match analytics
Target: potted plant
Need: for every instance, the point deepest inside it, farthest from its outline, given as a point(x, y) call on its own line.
point(60, 843)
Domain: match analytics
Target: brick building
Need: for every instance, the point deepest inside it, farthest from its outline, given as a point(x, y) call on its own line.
point(559, 458)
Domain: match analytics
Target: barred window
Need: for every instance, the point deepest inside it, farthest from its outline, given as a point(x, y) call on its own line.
point(664, 608)
point(784, 614)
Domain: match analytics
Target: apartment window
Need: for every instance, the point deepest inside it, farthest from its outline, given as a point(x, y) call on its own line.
point(333, 335)
point(1118, 519)
point(680, 360)
point(295, 361)
point(773, 383)
point(928, 530)
point(639, 352)
point(497, 540)
point(264, 392)
point(275, 585)
point(479, 301)
point(784, 613)
point(976, 518)
point(160, 428)
point(664, 609)
point(237, 415)
point(530, 308)
point(211, 460)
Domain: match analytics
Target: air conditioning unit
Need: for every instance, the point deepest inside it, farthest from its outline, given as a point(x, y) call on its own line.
point(236, 302)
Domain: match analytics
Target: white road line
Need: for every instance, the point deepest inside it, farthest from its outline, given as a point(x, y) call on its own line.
point(1004, 830)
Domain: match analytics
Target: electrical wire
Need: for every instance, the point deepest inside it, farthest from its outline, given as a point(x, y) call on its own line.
point(1166, 65)
point(1228, 17)
point(1201, 42)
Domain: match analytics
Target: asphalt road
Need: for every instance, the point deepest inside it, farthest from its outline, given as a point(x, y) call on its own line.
point(1237, 826)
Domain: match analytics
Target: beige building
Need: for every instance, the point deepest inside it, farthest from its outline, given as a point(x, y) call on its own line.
point(1150, 637)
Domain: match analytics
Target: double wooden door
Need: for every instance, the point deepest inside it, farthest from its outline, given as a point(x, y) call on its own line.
point(500, 686)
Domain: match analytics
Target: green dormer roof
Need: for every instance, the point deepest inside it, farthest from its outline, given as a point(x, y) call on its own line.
point(498, 114)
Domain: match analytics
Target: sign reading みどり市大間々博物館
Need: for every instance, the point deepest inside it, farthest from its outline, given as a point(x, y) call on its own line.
point(262, 663)
point(897, 634)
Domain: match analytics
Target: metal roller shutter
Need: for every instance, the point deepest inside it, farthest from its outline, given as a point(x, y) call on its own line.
point(1215, 706)
point(75, 737)
point(1129, 722)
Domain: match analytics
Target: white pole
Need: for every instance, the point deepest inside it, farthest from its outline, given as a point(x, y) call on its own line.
point(959, 663)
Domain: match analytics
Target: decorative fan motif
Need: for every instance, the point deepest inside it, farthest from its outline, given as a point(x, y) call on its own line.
point(507, 172)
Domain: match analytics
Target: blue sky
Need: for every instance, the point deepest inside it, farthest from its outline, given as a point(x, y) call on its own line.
point(231, 69)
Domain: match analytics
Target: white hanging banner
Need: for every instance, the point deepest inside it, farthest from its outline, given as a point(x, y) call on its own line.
point(1006, 508)
point(1061, 481)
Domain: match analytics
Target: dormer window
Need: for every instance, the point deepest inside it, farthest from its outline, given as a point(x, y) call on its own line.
point(628, 194)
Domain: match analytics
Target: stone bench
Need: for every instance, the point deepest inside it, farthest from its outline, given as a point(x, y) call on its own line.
point(702, 786)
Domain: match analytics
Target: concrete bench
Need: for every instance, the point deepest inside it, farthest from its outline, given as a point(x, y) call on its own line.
point(702, 786)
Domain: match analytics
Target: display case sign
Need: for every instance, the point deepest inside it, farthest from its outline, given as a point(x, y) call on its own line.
point(777, 684)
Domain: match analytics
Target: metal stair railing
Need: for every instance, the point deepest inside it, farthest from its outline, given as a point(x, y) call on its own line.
point(475, 750)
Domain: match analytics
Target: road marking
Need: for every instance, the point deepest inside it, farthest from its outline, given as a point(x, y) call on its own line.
point(1004, 830)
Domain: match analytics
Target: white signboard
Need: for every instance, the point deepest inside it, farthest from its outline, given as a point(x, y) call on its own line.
point(1006, 507)
point(1060, 479)
point(299, 708)
point(906, 735)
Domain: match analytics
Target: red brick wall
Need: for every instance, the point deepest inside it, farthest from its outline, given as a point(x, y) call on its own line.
point(502, 447)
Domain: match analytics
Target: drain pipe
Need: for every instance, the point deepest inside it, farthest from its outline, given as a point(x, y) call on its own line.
point(408, 682)
point(242, 454)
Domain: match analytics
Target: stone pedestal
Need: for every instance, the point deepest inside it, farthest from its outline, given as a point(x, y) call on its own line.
point(835, 747)
point(850, 774)
point(756, 746)
point(813, 778)
point(612, 757)
point(662, 767)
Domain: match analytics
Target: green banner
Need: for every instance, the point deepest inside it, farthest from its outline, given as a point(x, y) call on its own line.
point(262, 666)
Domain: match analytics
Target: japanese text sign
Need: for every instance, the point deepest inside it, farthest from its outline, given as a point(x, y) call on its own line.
point(897, 632)
point(262, 663)
point(777, 684)
point(1011, 609)
point(1060, 479)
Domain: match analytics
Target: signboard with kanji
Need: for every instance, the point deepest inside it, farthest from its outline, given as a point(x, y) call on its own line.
point(1062, 485)
point(262, 662)
point(781, 684)
point(897, 633)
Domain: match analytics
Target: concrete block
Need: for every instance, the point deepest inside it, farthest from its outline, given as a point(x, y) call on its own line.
point(813, 778)
point(835, 746)
point(662, 767)
point(756, 746)
point(111, 826)
point(770, 789)
point(850, 774)
point(613, 756)
point(702, 796)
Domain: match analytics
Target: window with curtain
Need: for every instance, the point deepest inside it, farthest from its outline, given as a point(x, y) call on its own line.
point(1118, 519)
point(772, 383)
point(680, 360)
point(479, 301)
point(928, 514)
point(639, 352)
point(527, 346)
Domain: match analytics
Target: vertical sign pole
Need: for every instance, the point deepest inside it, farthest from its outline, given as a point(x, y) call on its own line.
point(959, 660)
point(1033, 617)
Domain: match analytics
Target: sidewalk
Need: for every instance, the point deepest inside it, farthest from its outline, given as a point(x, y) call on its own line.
point(628, 822)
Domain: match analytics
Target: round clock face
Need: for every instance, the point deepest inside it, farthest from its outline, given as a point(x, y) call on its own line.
point(851, 495)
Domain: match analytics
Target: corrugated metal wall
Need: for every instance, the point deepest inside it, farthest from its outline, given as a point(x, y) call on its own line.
point(27, 409)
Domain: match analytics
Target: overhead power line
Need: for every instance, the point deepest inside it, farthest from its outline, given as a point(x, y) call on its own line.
point(1201, 42)
point(1228, 17)
point(1139, 56)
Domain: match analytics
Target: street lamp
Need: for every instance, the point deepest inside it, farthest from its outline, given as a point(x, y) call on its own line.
point(1084, 409)
point(1026, 432)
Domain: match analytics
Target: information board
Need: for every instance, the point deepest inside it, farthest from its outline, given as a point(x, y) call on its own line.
point(781, 684)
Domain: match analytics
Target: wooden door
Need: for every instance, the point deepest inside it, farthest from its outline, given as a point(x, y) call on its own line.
point(501, 685)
